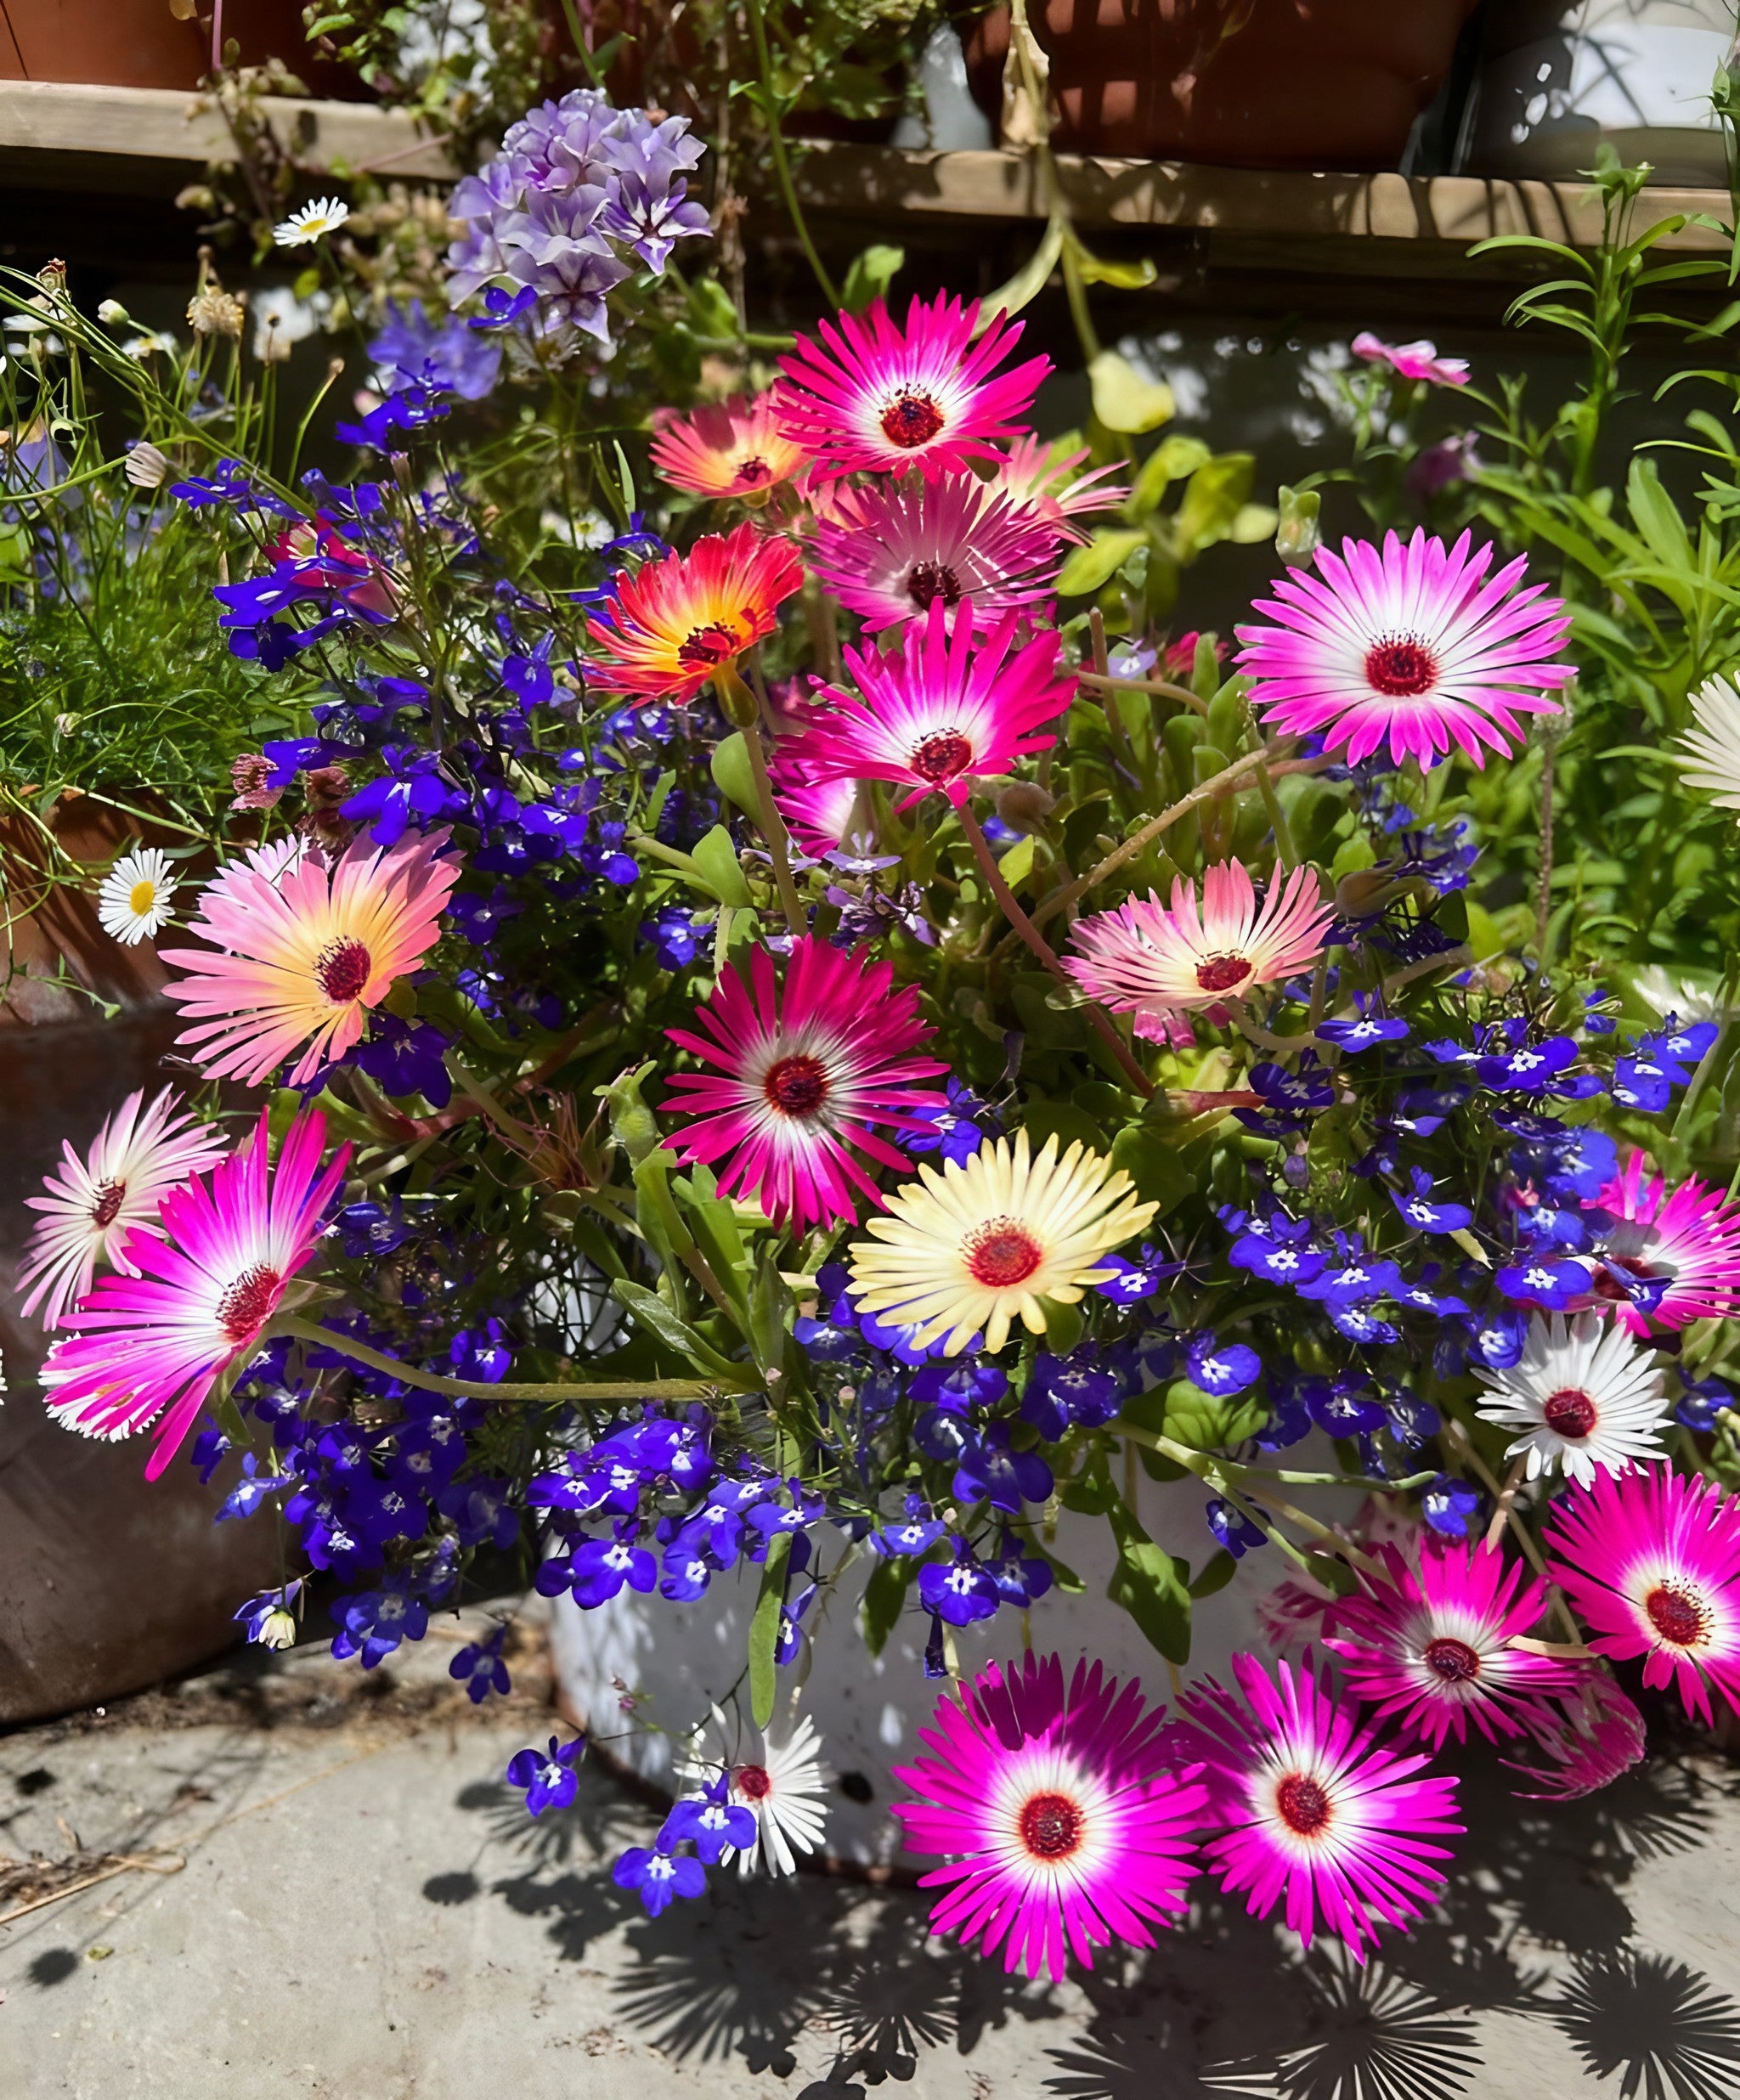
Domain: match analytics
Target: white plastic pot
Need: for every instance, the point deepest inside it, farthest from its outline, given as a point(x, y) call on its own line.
point(1555, 80)
point(676, 1658)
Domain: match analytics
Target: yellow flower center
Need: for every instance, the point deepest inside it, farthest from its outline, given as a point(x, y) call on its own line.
point(141, 898)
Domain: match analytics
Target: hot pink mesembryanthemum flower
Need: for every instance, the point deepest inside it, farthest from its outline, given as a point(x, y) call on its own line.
point(1156, 962)
point(817, 813)
point(1412, 360)
point(95, 1202)
point(802, 1071)
point(1413, 645)
point(891, 549)
point(301, 961)
point(1691, 1233)
point(1587, 1740)
point(1310, 1809)
point(873, 395)
point(939, 710)
point(197, 1301)
point(1066, 1822)
point(1651, 1560)
point(1036, 479)
point(1431, 1643)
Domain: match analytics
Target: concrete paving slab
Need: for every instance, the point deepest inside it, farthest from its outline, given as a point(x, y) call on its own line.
point(336, 1896)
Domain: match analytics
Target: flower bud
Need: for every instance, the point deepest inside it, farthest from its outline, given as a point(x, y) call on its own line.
point(1296, 535)
point(1024, 805)
point(144, 466)
point(113, 314)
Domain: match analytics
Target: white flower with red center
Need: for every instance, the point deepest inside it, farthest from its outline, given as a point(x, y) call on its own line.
point(873, 395)
point(1690, 1233)
point(1412, 646)
point(939, 711)
point(1156, 962)
point(1708, 755)
point(994, 1239)
point(89, 1209)
point(1431, 1642)
point(1412, 360)
point(298, 962)
point(802, 1069)
point(891, 549)
point(197, 1295)
point(781, 1781)
point(1650, 1562)
point(1583, 1396)
point(136, 896)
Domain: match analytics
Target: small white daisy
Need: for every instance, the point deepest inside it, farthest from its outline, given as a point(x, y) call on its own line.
point(1709, 755)
point(1584, 1395)
point(136, 893)
point(314, 222)
point(783, 1785)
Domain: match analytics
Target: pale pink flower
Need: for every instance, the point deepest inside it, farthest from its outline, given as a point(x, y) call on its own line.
point(1412, 360)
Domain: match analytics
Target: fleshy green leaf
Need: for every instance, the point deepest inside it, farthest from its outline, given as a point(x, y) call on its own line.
point(1122, 399)
point(763, 1629)
point(871, 274)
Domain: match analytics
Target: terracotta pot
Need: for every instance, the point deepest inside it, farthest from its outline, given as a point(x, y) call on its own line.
point(1255, 83)
point(139, 43)
point(106, 1584)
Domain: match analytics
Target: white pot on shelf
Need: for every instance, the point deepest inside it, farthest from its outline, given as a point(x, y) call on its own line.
point(1557, 78)
point(677, 1658)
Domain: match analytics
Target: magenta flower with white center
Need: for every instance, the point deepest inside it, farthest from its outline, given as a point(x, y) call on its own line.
point(817, 813)
point(196, 1301)
point(802, 1071)
point(1650, 1562)
point(873, 395)
point(938, 711)
point(1431, 1644)
point(1411, 647)
point(1157, 962)
point(891, 549)
point(1412, 360)
point(1063, 1823)
point(1310, 1810)
point(1586, 1741)
point(92, 1206)
point(1690, 1232)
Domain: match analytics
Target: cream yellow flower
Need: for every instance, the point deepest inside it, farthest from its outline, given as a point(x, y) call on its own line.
point(989, 1241)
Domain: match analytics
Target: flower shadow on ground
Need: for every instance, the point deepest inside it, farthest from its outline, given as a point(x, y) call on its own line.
point(1537, 1926)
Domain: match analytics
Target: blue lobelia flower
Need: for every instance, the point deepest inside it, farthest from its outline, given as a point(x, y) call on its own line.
point(1232, 1527)
point(710, 1822)
point(658, 1875)
point(479, 1668)
point(1418, 1207)
point(1448, 1505)
point(548, 1777)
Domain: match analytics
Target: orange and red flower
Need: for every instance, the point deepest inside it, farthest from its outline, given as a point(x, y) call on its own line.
point(727, 449)
point(677, 620)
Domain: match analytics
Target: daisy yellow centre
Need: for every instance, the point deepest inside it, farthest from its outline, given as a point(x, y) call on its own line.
point(1451, 1661)
point(1570, 1414)
point(105, 1205)
point(1303, 1804)
point(1002, 1254)
point(341, 969)
point(1221, 973)
point(797, 1086)
point(941, 755)
point(1400, 667)
point(753, 1782)
point(1051, 1826)
point(1677, 1614)
point(141, 898)
point(711, 644)
point(930, 580)
point(912, 419)
point(248, 1302)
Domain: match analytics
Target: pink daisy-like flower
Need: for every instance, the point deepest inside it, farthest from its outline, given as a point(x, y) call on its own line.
point(1411, 644)
point(1651, 1560)
point(803, 1068)
point(1063, 1819)
point(95, 1202)
point(939, 710)
point(300, 960)
point(891, 549)
point(195, 1302)
point(1431, 1644)
point(817, 813)
point(1691, 1233)
point(1156, 962)
point(1412, 360)
point(726, 449)
point(1311, 1808)
point(1595, 1736)
point(1036, 481)
point(873, 395)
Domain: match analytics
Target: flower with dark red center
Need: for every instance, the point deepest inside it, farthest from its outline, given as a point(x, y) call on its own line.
point(678, 618)
point(993, 1239)
point(196, 1301)
point(799, 1070)
point(1309, 1809)
point(1411, 647)
point(726, 449)
point(298, 957)
point(1690, 1232)
point(782, 1790)
point(1430, 1640)
point(1053, 1804)
point(1582, 1396)
point(1650, 1562)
